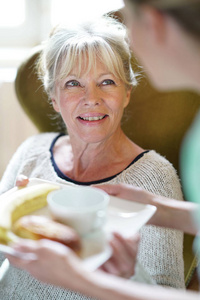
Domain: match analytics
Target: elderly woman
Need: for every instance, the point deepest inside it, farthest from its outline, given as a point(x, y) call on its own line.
point(87, 73)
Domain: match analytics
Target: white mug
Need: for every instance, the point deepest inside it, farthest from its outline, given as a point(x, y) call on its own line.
point(83, 208)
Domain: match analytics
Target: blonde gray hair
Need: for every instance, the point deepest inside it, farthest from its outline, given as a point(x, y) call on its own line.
point(104, 40)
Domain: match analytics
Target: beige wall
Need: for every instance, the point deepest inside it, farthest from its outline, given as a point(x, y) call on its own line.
point(14, 124)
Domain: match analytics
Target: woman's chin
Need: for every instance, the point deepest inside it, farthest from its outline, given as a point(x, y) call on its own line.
point(90, 140)
point(93, 138)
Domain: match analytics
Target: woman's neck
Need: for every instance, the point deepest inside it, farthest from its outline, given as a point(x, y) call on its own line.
point(94, 161)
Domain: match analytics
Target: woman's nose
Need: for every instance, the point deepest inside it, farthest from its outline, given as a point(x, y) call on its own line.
point(92, 95)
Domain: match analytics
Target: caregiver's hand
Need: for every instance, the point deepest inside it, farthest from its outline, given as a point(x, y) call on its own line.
point(55, 264)
point(128, 192)
point(21, 180)
point(170, 213)
point(123, 260)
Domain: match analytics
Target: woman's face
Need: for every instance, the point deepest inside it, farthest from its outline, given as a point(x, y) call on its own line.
point(92, 104)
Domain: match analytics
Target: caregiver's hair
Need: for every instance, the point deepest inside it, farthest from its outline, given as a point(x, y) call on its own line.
point(185, 12)
point(81, 46)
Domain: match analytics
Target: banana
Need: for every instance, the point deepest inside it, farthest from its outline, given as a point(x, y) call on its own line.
point(22, 202)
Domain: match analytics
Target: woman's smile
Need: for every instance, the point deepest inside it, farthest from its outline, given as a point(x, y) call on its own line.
point(92, 119)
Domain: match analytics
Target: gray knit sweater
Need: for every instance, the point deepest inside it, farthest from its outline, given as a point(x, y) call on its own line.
point(161, 249)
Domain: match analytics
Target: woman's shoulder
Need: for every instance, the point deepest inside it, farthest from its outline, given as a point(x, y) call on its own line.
point(38, 143)
point(40, 140)
point(155, 173)
point(42, 137)
point(153, 158)
point(157, 166)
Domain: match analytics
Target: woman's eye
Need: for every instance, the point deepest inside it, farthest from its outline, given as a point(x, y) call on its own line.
point(72, 83)
point(108, 82)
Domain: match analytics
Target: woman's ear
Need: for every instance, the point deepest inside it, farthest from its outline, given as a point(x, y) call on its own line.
point(127, 98)
point(55, 105)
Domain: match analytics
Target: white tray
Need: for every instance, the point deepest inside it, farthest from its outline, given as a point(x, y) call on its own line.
point(125, 217)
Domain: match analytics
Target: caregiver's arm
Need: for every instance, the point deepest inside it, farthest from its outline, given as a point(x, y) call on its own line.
point(66, 270)
point(170, 213)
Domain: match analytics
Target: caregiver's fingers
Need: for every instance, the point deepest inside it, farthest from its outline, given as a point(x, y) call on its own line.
point(123, 260)
point(130, 245)
point(21, 180)
point(55, 264)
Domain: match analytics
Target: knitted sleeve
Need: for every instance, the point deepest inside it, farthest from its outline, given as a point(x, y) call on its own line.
point(31, 159)
point(161, 249)
point(9, 177)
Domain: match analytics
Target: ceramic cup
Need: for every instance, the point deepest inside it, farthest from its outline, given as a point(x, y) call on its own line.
point(83, 208)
